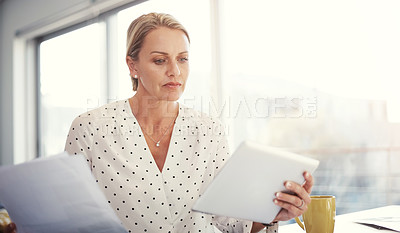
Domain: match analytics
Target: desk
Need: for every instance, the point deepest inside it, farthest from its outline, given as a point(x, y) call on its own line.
point(345, 223)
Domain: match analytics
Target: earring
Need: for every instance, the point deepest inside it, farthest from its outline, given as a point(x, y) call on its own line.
point(135, 76)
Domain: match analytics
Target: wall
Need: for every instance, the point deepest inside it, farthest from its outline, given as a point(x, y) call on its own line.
point(15, 15)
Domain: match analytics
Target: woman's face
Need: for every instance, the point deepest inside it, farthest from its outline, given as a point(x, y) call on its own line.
point(163, 66)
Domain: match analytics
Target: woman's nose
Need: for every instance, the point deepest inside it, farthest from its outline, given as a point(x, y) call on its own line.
point(173, 69)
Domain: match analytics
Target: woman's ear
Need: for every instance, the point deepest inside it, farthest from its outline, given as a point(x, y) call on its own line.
point(131, 65)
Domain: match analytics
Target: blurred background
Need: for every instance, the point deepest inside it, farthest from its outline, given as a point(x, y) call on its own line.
point(319, 78)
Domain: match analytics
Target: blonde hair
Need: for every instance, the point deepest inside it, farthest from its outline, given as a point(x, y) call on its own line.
point(141, 27)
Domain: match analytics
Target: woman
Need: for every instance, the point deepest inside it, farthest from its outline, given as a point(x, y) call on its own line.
point(153, 157)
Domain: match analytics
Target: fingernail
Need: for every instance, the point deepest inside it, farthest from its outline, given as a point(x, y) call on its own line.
point(278, 194)
point(289, 184)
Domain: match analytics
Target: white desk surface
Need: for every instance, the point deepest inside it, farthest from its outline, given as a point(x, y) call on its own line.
point(345, 223)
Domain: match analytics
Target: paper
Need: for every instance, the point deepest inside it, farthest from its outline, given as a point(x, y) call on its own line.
point(382, 223)
point(387, 218)
point(56, 194)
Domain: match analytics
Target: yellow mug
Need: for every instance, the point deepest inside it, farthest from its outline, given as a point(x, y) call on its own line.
point(320, 215)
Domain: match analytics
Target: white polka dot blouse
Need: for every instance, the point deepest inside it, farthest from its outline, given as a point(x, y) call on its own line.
point(145, 199)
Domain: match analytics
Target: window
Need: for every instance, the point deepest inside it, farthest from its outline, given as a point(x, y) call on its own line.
point(71, 80)
point(317, 78)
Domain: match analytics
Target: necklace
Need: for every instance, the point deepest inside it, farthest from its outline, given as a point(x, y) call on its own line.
point(162, 136)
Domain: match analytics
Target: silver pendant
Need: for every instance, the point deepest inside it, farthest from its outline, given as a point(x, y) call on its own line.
point(157, 144)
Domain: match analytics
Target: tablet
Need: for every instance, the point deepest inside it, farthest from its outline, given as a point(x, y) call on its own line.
point(246, 185)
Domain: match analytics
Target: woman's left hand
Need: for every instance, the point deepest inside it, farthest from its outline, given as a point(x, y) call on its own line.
point(294, 205)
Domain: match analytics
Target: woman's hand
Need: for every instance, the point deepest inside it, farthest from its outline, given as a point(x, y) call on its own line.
point(294, 205)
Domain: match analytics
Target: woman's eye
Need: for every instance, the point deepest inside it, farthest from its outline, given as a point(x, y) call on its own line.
point(183, 59)
point(159, 61)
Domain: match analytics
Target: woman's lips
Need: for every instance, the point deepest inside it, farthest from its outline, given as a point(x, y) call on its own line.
point(172, 85)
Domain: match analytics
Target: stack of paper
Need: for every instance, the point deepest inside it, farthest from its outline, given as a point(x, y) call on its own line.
point(56, 194)
point(382, 223)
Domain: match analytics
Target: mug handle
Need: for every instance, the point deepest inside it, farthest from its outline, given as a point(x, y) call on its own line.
point(299, 223)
